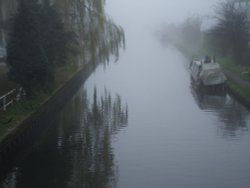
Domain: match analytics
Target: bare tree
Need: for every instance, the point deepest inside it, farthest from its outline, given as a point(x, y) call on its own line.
point(231, 33)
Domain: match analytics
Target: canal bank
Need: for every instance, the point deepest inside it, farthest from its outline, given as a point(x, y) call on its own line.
point(12, 140)
point(238, 87)
point(236, 84)
point(171, 140)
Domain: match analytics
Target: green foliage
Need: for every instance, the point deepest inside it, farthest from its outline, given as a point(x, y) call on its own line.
point(241, 90)
point(240, 71)
point(55, 40)
point(18, 112)
point(231, 33)
point(25, 54)
point(98, 37)
point(38, 44)
point(227, 63)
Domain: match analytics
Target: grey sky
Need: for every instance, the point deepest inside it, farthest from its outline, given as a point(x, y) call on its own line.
point(140, 13)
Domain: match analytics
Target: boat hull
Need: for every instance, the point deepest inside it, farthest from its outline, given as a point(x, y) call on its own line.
point(209, 74)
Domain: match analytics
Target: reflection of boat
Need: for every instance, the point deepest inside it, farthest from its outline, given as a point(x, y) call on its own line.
point(210, 99)
point(207, 72)
point(232, 115)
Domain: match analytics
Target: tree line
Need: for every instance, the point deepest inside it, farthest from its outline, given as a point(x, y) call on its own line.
point(229, 35)
point(44, 35)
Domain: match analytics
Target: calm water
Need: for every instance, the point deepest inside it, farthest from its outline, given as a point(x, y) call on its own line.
point(139, 123)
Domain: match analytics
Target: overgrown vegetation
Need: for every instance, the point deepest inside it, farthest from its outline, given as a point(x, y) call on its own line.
point(49, 42)
point(97, 35)
point(45, 34)
point(228, 37)
point(242, 71)
point(18, 112)
point(239, 89)
point(35, 45)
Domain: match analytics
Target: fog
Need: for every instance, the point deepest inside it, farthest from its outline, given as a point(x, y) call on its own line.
point(140, 122)
point(169, 141)
point(135, 14)
point(140, 19)
point(143, 18)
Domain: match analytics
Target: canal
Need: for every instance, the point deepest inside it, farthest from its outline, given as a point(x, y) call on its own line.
point(139, 123)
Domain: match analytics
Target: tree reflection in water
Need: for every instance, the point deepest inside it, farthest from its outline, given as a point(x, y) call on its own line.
point(100, 118)
point(76, 149)
point(230, 112)
point(92, 159)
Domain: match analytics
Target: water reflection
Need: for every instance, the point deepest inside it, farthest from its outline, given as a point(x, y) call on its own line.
point(76, 151)
point(234, 118)
point(209, 99)
point(231, 114)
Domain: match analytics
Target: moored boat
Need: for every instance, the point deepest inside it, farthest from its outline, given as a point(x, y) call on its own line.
point(207, 72)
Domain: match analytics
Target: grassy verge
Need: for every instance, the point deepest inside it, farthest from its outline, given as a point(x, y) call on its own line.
point(242, 72)
point(18, 112)
point(239, 89)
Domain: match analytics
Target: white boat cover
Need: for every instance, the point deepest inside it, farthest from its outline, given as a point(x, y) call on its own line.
point(211, 74)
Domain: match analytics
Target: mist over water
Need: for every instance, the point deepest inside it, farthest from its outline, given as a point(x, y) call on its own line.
point(139, 123)
point(176, 136)
point(151, 13)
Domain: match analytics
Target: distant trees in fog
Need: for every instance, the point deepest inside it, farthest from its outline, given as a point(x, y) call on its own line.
point(230, 35)
point(186, 36)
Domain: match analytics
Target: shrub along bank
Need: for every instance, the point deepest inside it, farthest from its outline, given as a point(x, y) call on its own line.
point(44, 44)
point(22, 110)
point(30, 118)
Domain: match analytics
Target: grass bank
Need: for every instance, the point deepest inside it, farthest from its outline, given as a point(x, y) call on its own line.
point(238, 77)
point(241, 71)
point(239, 89)
point(19, 112)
